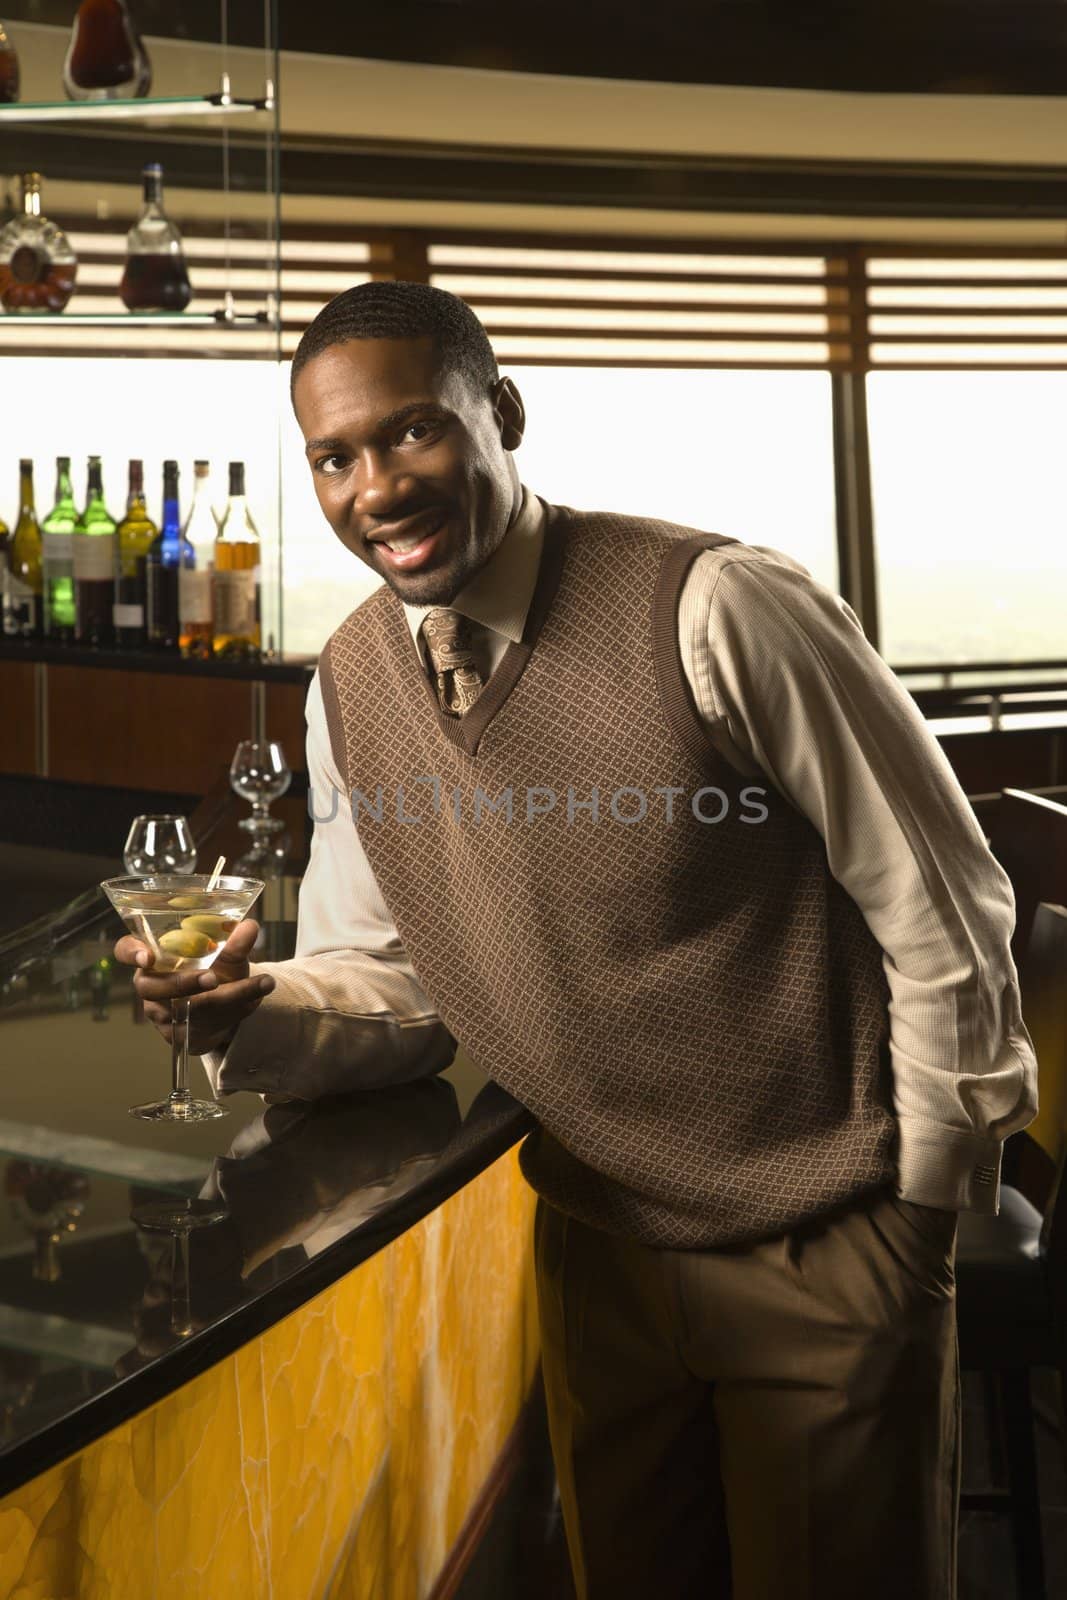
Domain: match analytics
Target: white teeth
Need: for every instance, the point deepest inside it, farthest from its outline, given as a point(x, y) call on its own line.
point(403, 545)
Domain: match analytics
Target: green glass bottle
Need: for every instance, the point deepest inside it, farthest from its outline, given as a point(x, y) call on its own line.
point(94, 566)
point(57, 544)
point(135, 534)
point(22, 580)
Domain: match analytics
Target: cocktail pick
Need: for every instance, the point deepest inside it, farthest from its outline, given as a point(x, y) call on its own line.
point(216, 873)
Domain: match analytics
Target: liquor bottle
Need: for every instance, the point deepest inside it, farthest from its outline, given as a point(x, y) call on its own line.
point(135, 534)
point(236, 585)
point(37, 265)
point(9, 70)
point(167, 554)
point(94, 565)
point(5, 567)
point(155, 277)
point(22, 592)
point(57, 542)
point(106, 59)
point(194, 582)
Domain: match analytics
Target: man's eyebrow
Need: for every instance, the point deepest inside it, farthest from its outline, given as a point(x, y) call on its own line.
point(324, 444)
point(402, 413)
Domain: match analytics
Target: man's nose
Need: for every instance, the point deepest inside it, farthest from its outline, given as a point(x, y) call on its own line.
point(380, 487)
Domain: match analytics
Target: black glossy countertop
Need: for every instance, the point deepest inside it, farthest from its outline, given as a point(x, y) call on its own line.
point(92, 1307)
point(271, 669)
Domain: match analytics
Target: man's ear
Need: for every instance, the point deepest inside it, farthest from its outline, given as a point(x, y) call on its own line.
point(510, 413)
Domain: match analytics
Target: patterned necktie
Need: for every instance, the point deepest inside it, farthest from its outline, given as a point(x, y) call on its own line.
point(449, 645)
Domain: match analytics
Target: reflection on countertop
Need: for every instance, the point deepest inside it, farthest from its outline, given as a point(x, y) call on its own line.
point(100, 1317)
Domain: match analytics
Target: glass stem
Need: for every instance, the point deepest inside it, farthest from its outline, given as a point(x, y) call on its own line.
point(181, 1317)
point(179, 1055)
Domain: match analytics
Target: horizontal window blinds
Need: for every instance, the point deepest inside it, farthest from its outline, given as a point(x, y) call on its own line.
point(648, 307)
point(977, 311)
point(580, 302)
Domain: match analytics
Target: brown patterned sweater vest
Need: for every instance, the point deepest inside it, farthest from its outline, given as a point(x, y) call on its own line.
point(695, 1011)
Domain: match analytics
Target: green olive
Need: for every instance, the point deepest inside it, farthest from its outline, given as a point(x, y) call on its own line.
point(185, 902)
point(186, 942)
point(215, 927)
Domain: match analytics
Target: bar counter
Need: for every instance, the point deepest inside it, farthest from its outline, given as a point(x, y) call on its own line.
point(312, 1387)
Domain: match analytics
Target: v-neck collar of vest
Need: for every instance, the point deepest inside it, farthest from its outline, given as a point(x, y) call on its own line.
point(466, 731)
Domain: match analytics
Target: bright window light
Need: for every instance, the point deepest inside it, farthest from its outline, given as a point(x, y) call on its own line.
point(970, 501)
point(745, 453)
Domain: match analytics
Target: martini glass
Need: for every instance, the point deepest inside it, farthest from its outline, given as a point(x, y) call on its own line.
point(185, 924)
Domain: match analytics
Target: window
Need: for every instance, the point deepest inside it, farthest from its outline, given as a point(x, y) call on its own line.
point(969, 483)
point(746, 453)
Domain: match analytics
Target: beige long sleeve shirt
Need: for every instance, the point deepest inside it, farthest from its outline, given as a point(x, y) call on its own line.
point(791, 693)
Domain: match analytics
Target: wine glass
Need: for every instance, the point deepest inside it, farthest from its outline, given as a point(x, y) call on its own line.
point(160, 843)
point(260, 773)
point(185, 920)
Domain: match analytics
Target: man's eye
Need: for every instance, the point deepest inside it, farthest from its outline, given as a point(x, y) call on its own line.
point(329, 465)
point(417, 430)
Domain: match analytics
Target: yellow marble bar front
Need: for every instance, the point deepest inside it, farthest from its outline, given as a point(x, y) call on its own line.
point(335, 1457)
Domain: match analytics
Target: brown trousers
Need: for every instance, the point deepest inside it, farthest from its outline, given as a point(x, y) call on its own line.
point(778, 1421)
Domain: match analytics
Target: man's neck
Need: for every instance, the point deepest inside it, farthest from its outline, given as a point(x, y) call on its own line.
point(498, 595)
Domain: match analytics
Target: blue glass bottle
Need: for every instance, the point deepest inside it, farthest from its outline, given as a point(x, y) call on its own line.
point(167, 554)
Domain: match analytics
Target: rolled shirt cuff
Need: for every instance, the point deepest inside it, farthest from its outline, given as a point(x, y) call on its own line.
point(300, 1052)
point(948, 1167)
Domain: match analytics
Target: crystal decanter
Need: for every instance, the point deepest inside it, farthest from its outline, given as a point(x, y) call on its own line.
point(37, 265)
point(106, 59)
point(9, 70)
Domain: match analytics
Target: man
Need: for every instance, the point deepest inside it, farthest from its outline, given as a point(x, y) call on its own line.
point(637, 814)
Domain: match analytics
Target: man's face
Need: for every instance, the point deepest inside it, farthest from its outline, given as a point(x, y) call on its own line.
point(412, 470)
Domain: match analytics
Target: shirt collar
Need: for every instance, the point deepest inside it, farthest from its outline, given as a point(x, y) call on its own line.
point(499, 594)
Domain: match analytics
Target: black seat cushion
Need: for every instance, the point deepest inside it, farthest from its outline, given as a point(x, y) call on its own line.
point(1002, 1300)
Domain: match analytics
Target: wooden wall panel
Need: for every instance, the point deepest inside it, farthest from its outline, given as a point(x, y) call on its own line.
point(285, 721)
point(18, 717)
point(144, 730)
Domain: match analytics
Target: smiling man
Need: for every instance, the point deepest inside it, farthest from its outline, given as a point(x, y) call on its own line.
point(432, 499)
point(743, 953)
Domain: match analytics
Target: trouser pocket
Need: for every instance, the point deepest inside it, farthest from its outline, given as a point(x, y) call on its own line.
point(933, 1222)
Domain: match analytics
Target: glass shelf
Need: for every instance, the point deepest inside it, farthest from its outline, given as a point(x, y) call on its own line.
point(142, 319)
point(147, 110)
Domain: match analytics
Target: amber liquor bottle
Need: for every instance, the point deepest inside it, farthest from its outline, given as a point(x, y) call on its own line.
point(134, 538)
point(155, 276)
point(37, 265)
point(9, 70)
point(195, 582)
point(106, 59)
point(23, 579)
point(236, 586)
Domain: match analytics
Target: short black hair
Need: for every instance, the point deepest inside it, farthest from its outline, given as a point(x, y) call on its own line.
point(404, 311)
